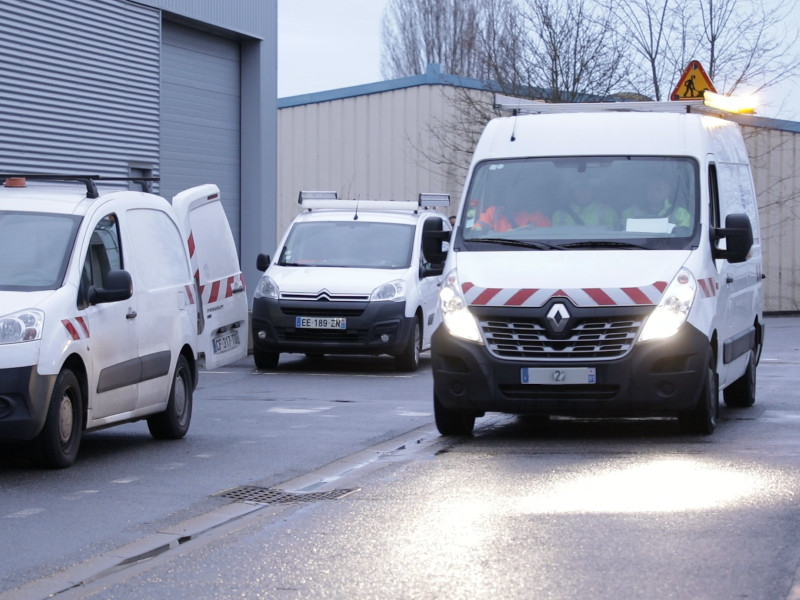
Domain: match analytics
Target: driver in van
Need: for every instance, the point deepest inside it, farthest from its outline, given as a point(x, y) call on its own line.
point(658, 204)
point(513, 215)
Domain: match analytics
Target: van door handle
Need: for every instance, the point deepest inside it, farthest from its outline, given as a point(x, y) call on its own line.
point(238, 289)
point(131, 314)
point(729, 279)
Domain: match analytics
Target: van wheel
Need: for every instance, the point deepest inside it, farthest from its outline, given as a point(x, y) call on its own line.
point(742, 392)
point(702, 418)
point(265, 361)
point(173, 423)
point(408, 359)
point(57, 444)
point(452, 422)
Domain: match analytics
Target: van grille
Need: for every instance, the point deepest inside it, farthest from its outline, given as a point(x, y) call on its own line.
point(590, 338)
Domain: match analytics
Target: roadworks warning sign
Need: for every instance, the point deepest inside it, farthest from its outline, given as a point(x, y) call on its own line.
point(692, 83)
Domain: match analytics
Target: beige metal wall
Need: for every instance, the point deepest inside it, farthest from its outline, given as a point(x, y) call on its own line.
point(774, 160)
point(370, 146)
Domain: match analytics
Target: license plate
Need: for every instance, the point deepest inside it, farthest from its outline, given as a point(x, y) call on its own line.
point(225, 342)
point(320, 323)
point(559, 376)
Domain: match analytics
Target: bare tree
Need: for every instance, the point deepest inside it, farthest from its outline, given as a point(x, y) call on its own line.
point(419, 32)
point(650, 30)
point(572, 49)
point(746, 44)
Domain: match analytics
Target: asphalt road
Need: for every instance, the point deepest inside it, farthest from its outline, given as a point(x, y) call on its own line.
point(602, 509)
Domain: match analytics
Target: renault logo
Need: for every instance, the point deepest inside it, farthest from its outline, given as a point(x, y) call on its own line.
point(558, 317)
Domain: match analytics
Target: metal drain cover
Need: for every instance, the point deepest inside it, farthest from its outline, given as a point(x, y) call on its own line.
point(262, 495)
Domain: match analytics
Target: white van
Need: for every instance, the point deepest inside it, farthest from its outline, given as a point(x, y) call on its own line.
point(606, 261)
point(352, 277)
point(109, 303)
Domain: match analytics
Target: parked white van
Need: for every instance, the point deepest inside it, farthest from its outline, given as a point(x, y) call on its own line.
point(109, 303)
point(606, 262)
point(352, 277)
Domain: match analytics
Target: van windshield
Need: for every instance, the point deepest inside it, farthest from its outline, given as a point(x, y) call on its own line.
point(36, 248)
point(583, 202)
point(354, 244)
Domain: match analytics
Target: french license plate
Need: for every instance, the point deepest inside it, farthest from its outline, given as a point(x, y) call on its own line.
point(225, 342)
point(559, 376)
point(320, 323)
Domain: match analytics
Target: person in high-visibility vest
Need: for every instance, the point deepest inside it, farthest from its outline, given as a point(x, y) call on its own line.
point(658, 203)
point(510, 216)
point(584, 209)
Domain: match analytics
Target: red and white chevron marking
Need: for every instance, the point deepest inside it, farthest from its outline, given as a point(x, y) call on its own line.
point(220, 289)
point(77, 328)
point(708, 287)
point(635, 296)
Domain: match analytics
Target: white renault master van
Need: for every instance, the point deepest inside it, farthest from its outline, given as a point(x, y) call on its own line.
point(352, 277)
point(606, 261)
point(109, 303)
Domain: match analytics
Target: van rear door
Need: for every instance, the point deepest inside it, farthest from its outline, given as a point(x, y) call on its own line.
point(223, 330)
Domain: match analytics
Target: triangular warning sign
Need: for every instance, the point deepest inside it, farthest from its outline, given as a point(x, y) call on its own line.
point(692, 83)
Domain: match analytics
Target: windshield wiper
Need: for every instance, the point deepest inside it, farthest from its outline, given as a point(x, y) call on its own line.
point(519, 243)
point(604, 244)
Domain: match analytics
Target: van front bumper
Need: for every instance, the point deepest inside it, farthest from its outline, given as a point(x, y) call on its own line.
point(656, 378)
point(372, 327)
point(24, 400)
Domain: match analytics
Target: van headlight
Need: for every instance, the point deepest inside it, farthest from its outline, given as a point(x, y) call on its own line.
point(673, 309)
point(266, 288)
point(394, 291)
point(23, 326)
point(456, 316)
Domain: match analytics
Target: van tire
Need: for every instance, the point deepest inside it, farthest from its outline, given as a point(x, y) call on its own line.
point(408, 359)
point(265, 361)
point(742, 392)
point(56, 446)
point(452, 422)
point(702, 419)
point(173, 423)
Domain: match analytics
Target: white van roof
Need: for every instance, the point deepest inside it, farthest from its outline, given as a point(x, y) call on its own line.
point(611, 133)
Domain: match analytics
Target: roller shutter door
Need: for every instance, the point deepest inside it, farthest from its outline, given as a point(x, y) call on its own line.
point(200, 115)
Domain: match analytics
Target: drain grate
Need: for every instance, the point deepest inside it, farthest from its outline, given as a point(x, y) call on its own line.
point(262, 495)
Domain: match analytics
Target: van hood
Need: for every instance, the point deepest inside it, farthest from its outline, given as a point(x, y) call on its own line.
point(587, 278)
point(334, 280)
point(11, 302)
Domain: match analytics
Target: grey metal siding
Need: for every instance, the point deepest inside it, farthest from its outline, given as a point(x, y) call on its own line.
point(80, 87)
point(200, 115)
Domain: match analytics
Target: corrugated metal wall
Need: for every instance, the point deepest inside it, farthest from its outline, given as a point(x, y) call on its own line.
point(774, 158)
point(200, 115)
point(80, 85)
point(367, 146)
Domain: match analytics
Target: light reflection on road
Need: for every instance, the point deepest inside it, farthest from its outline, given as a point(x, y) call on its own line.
point(662, 485)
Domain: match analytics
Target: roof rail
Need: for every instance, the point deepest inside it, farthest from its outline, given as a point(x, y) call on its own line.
point(87, 180)
point(331, 200)
point(519, 106)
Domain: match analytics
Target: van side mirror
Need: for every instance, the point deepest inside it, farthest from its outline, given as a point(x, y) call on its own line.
point(738, 234)
point(435, 241)
point(118, 286)
point(262, 262)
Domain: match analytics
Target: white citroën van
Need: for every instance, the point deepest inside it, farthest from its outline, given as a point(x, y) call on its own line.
point(352, 277)
point(109, 303)
point(606, 262)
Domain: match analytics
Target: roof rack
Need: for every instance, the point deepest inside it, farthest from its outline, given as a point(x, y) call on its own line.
point(330, 200)
point(87, 180)
point(701, 106)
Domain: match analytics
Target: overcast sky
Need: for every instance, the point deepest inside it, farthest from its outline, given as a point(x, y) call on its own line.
point(329, 44)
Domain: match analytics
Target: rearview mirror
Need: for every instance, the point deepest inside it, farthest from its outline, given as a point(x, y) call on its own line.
point(738, 234)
